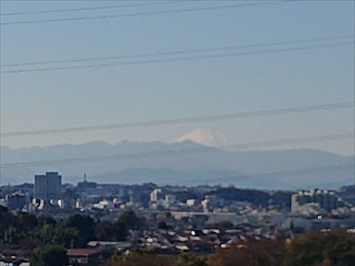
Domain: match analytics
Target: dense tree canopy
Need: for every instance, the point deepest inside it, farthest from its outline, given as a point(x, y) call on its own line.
point(256, 253)
point(50, 255)
point(131, 220)
point(75, 231)
point(85, 227)
point(139, 257)
point(317, 248)
point(190, 259)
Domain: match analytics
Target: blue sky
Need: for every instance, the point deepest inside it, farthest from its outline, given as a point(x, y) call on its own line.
point(179, 89)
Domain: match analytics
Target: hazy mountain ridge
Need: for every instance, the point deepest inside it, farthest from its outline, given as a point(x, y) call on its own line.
point(178, 163)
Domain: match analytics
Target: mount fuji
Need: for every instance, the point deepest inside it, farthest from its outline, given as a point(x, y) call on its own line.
point(195, 158)
point(204, 137)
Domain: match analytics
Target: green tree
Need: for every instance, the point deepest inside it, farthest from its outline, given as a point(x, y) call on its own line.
point(12, 235)
point(26, 221)
point(253, 253)
point(139, 257)
point(7, 219)
point(85, 227)
point(105, 231)
point(120, 231)
point(67, 237)
point(50, 255)
point(43, 220)
point(131, 220)
point(191, 259)
point(47, 233)
point(334, 248)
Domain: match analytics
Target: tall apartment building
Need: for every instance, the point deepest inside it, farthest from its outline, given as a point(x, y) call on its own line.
point(327, 200)
point(48, 186)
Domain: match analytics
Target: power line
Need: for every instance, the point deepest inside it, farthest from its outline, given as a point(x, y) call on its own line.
point(174, 11)
point(303, 171)
point(310, 108)
point(181, 52)
point(176, 59)
point(203, 149)
point(83, 9)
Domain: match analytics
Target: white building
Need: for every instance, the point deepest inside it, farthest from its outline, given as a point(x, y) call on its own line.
point(156, 195)
point(105, 204)
point(190, 202)
point(206, 204)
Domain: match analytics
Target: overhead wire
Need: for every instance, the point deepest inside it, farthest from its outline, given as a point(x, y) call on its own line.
point(290, 110)
point(175, 152)
point(138, 14)
point(176, 59)
point(80, 9)
point(180, 52)
point(171, 121)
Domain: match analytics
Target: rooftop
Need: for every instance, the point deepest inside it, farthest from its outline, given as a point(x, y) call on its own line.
point(83, 252)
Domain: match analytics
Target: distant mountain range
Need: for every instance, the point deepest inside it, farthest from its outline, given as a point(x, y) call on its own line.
point(182, 162)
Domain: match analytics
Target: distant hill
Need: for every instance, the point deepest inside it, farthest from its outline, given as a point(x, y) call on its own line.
point(183, 162)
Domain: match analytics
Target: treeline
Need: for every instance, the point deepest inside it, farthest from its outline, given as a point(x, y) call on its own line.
point(335, 248)
point(28, 231)
point(256, 197)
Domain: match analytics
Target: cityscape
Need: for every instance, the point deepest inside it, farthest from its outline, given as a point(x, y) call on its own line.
point(173, 219)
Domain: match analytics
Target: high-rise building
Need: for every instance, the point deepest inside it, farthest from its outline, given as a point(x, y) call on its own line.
point(48, 186)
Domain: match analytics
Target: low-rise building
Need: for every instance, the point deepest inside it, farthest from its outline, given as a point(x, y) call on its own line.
point(84, 256)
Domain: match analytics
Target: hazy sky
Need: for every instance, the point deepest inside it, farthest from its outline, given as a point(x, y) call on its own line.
point(183, 88)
